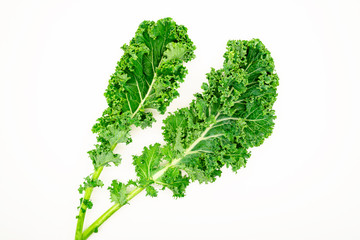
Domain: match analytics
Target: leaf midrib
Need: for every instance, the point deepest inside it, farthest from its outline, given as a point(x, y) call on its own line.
point(152, 82)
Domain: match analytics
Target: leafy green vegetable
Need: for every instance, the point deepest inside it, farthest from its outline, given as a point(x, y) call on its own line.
point(233, 114)
point(146, 77)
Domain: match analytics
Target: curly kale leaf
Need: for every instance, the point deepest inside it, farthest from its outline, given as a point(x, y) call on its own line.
point(233, 114)
point(146, 77)
point(148, 163)
point(119, 191)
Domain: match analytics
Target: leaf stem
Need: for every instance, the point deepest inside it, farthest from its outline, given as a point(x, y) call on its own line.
point(87, 195)
point(83, 207)
point(93, 227)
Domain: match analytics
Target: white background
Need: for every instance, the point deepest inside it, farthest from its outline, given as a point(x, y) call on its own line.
point(302, 183)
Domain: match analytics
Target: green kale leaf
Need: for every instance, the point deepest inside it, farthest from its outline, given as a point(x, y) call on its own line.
point(146, 77)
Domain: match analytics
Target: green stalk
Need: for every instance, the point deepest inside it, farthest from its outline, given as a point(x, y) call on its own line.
point(93, 227)
point(83, 207)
